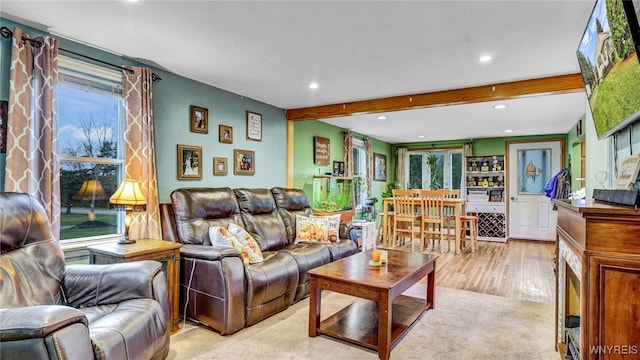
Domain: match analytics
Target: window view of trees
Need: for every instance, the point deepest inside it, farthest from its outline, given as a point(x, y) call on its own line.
point(89, 161)
point(435, 169)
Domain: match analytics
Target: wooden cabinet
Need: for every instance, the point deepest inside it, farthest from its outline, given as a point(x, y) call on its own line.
point(167, 252)
point(598, 250)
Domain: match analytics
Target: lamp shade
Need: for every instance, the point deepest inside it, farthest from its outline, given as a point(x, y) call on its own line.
point(91, 189)
point(128, 195)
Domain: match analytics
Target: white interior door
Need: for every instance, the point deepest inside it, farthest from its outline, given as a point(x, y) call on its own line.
point(531, 165)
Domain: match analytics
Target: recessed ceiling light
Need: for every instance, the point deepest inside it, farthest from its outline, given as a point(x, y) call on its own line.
point(485, 58)
point(313, 86)
point(508, 131)
point(420, 136)
point(499, 106)
point(381, 117)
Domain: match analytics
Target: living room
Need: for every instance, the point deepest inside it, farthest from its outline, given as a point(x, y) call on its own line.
point(281, 151)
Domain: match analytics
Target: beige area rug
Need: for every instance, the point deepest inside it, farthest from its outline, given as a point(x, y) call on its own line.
point(464, 325)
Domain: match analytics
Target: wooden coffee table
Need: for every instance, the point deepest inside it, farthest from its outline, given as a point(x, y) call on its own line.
point(380, 321)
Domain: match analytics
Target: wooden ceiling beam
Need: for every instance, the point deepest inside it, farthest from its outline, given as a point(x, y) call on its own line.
point(551, 85)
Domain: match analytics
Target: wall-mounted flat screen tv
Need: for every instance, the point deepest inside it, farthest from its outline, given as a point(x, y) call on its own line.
point(608, 59)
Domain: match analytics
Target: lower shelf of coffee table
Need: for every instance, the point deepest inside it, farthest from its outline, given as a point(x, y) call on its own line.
point(358, 322)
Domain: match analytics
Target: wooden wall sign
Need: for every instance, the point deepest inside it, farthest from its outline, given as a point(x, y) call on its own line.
point(321, 154)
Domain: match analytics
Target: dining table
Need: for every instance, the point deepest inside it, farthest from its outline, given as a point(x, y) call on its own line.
point(452, 205)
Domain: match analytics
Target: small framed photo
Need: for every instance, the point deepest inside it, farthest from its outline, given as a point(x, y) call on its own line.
point(189, 164)
point(379, 167)
point(338, 168)
point(219, 166)
point(199, 119)
point(244, 162)
point(254, 126)
point(225, 134)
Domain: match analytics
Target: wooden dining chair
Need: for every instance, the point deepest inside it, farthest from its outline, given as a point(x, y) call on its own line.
point(449, 212)
point(432, 228)
point(407, 219)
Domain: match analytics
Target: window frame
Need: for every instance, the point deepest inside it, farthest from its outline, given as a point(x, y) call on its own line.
point(85, 76)
point(447, 166)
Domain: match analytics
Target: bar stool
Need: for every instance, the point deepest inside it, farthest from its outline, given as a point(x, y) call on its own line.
point(469, 223)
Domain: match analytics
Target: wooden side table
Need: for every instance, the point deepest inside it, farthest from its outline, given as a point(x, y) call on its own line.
point(164, 251)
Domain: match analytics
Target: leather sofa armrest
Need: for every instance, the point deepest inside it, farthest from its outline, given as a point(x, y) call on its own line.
point(213, 286)
point(211, 253)
point(37, 321)
point(91, 285)
point(44, 332)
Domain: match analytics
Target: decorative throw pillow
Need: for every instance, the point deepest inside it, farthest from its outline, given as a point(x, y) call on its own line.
point(220, 236)
point(248, 242)
point(333, 227)
point(310, 229)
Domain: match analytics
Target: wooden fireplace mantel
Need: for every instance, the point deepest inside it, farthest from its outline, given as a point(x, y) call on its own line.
point(603, 242)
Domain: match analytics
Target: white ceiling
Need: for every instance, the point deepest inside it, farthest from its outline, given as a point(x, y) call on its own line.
point(354, 50)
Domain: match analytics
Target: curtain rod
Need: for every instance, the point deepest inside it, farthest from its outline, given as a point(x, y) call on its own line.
point(7, 33)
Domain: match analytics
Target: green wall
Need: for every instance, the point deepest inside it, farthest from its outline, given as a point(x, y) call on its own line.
point(305, 169)
point(172, 97)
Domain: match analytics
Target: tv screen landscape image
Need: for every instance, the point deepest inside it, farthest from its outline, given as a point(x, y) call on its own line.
point(608, 60)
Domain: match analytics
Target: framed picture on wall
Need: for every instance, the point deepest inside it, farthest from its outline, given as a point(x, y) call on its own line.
point(199, 119)
point(338, 168)
point(244, 162)
point(321, 152)
point(189, 164)
point(254, 126)
point(220, 166)
point(225, 134)
point(379, 167)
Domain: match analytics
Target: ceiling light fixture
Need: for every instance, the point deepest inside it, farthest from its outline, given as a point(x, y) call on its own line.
point(313, 86)
point(508, 131)
point(420, 136)
point(485, 58)
point(500, 106)
point(381, 117)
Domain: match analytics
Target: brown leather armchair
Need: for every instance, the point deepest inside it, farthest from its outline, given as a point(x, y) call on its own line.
point(49, 310)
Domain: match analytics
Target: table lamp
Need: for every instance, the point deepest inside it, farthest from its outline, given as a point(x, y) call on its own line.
point(128, 197)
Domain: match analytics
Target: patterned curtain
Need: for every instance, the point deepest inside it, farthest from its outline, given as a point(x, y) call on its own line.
point(402, 158)
point(468, 149)
point(348, 153)
point(139, 150)
point(368, 156)
point(32, 164)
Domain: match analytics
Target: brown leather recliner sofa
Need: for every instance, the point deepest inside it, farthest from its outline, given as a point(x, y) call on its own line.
point(49, 310)
point(216, 288)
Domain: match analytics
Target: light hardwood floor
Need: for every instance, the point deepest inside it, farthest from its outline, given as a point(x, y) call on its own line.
point(519, 269)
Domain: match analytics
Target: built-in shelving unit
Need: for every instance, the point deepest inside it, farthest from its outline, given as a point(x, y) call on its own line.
point(486, 182)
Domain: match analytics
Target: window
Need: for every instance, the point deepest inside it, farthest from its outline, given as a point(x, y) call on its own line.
point(435, 169)
point(359, 173)
point(90, 112)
